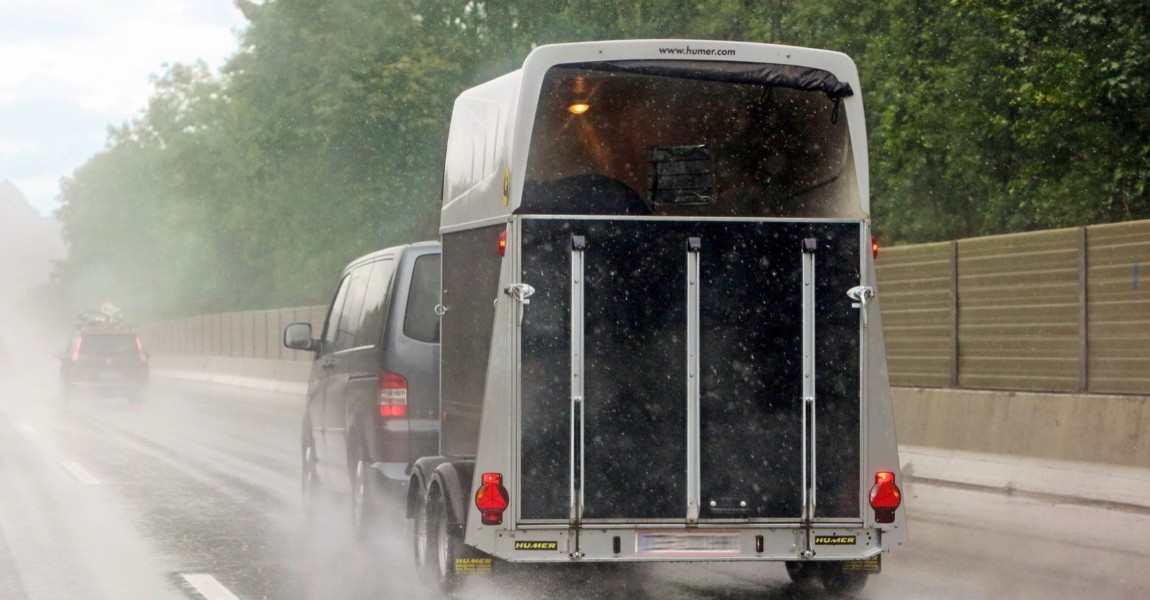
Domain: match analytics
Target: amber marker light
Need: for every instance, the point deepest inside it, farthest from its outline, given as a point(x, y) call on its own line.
point(578, 108)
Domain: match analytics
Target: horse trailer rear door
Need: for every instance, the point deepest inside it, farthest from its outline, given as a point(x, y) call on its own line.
point(679, 372)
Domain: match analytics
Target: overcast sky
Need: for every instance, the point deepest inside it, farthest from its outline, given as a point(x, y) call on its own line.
point(71, 68)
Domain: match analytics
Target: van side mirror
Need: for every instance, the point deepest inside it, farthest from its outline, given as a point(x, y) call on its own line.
point(297, 336)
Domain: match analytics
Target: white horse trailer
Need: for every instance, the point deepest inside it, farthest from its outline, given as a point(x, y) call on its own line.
point(661, 337)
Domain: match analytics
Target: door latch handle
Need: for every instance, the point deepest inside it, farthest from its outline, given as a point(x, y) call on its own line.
point(521, 292)
point(862, 295)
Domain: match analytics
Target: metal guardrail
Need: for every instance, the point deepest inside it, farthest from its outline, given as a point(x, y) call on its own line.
point(1061, 311)
point(249, 334)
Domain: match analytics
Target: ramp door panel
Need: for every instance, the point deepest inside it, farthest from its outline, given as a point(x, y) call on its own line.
point(635, 374)
point(635, 366)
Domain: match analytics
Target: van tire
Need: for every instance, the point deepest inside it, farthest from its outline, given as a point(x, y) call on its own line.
point(311, 491)
point(366, 497)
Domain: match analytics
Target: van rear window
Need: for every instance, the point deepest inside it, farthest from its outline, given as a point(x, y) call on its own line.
point(420, 321)
point(375, 303)
point(108, 345)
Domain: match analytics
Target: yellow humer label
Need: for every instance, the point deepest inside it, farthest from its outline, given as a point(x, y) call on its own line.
point(536, 545)
point(472, 565)
point(834, 540)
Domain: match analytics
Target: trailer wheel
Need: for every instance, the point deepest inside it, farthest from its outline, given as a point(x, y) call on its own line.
point(448, 545)
point(421, 531)
point(802, 573)
point(838, 581)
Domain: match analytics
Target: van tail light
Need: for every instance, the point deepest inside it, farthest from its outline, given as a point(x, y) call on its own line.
point(491, 499)
point(392, 395)
point(503, 243)
point(874, 246)
point(885, 497)
point(75, 355)
point(140, 351)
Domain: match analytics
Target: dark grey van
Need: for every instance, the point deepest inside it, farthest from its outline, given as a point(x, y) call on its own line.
point(373, 393)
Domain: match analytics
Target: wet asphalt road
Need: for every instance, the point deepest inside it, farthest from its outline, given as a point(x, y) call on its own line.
point(195, 494)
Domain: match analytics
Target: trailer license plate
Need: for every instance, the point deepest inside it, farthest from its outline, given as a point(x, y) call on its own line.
point(664, 543)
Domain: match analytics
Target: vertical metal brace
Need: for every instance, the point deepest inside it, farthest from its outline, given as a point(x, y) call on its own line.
point(694, 247)
point(1083, 314)
point(809, 247)
point(578, 245)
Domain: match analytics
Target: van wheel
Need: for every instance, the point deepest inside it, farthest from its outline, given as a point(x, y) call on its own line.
point(421, 528)
point(838, 581)
point(448, 545)
point(365, 499)
point(310, 491)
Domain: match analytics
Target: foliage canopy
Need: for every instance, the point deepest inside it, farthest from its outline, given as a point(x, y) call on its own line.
point(323, 136)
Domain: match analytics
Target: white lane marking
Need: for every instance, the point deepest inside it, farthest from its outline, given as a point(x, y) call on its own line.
point(208, 587)
point(30, 430)
point(79, 473)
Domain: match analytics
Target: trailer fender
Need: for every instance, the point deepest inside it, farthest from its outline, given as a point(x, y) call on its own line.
point(421, 474)
point(453, 477)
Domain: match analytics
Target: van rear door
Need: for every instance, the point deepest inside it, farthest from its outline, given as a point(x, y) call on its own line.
point(663, 367)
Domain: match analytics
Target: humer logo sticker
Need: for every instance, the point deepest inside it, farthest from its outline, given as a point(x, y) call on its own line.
point(834, 540)
point(536, 545)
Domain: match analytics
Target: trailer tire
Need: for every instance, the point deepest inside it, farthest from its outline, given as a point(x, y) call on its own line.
point(802, 573)
point(421, 532)
point(837, 581)
point(448, 543)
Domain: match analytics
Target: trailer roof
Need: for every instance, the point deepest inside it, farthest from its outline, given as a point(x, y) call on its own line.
point(492, 123)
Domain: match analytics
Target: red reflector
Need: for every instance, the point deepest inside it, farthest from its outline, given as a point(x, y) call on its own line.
point(503, 243)
point(874, 245)
point(392, 396)
point(393, 410)
point(491, 499)
point(885, 497)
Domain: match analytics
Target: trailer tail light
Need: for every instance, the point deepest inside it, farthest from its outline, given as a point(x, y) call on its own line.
point(874, 246)
point(503, 243)
point(885, 497)
point(491, 499)
point(392, 395)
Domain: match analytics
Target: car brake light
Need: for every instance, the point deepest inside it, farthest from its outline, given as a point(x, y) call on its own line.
point(885, 497)
point(874, 246)
point(503, 243)
point(491, 499)
point(392, 396)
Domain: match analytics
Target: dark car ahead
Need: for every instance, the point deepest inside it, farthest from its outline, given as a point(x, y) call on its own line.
point(106, 360)
point(373, 393)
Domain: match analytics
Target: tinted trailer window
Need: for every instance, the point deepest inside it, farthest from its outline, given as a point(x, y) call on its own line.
point(674, 140)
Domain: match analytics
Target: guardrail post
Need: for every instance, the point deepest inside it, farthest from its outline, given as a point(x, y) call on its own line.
point(1083, 315)
point(954, 314)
